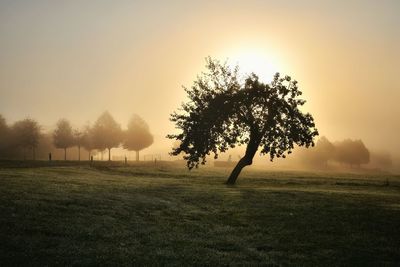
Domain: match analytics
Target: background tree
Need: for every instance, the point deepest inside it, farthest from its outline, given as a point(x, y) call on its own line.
point(381, 159)
point(319, 156)
point(78, 141)
point(137, 136)
point(63, 136)
point(26, 134)
point(224, 112)
point(87, 140)
point(352, 152)
point(4, 136)
point(106, 133)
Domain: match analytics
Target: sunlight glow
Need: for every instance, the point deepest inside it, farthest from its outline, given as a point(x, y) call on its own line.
point(257, 61)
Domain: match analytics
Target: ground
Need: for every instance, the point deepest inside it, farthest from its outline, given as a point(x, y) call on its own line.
point(166, 215)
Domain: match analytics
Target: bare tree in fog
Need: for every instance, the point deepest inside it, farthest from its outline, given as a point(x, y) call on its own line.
point(106, 133)
point(87, 140)
point(63, 136)
point(352, 152)
point(26, 134)
point(224, 112)
point(78, 140)
point(137, 136)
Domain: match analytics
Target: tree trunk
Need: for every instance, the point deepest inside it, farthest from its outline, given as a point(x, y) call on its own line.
point(137, 155)
point(109, 154)
point(79, 153)
point(243, 162)
point(65, 153)
point(33, 153)
point(247, 160)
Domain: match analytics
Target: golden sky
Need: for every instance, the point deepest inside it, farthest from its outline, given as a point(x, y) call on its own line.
point(76, 59)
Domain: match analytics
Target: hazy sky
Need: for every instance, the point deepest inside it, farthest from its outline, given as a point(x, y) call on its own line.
point(76, 59)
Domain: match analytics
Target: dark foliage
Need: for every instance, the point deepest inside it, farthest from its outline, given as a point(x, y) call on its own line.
point(224, 112)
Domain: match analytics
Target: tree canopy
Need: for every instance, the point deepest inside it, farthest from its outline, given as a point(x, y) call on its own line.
point(352, 152)
point(319, 156)
point(63, 136)
point(106, 133)
point(137, 136)
point(26, 134)
point(224, 111)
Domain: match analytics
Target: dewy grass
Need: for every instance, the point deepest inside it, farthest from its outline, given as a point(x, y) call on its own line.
point(165, 215)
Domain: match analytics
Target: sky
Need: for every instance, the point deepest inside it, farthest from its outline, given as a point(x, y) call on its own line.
point(76, 59)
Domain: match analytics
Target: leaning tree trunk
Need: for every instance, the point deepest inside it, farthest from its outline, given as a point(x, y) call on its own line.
point(243, 162)
point(137, 155)
point(65, 154)
point(247, 160)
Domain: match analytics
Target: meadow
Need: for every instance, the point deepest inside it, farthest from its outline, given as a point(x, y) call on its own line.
point(156, 215)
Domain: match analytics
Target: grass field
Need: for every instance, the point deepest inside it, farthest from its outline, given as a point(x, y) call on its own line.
point(165, 215)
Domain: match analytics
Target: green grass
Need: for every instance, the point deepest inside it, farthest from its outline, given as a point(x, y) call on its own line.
point(165, 215)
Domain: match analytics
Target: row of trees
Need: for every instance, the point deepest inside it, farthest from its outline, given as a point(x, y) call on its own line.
point(348, 151)
point(104, 134)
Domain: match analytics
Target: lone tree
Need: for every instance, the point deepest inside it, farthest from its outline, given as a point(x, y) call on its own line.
point(106, 133)
point(63, 136)
point(224, 111)
point(26, 134)
point(137, 136)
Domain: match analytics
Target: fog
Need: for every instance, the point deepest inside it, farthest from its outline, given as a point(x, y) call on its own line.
point(76, 60)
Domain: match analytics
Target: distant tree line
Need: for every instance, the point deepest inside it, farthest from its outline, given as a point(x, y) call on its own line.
point(22, 139)
point(352, 153)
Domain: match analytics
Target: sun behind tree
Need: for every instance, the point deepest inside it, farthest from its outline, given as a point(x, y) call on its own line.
point(224, 112)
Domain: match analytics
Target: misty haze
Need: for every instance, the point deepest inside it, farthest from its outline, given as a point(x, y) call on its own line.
point(199, 133)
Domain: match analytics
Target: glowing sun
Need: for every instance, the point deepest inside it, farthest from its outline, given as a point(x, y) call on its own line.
point(257, 61)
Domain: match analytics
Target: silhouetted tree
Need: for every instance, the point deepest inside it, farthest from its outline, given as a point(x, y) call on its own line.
point(224, 112)
point(26, 134)
point(137, 136)
point(352, 152)
point(106, 133)
point(63, 136)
